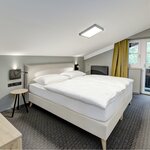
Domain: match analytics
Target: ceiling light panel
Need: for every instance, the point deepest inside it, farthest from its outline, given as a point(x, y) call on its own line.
point(91, 31)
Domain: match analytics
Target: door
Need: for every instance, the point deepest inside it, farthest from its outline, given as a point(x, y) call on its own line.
point(146, 68)
point(139, 57)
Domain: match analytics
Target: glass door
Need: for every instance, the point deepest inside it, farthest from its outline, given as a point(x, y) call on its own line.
point(139, 57)
point(146, 67)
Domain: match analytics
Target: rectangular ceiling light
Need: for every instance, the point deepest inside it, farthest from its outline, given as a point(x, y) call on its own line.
point(91, 31)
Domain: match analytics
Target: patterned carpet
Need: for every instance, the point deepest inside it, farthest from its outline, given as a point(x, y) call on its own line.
point(43, 130)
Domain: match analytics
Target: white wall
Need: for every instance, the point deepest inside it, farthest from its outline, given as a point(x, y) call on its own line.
point(104, 59)
point(7, 63)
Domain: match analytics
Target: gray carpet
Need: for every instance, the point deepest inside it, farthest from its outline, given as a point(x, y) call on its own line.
point(43, 130)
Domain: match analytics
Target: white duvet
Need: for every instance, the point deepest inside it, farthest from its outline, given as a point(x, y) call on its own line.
point(96, 90)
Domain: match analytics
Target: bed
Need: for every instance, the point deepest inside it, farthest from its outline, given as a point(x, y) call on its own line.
point(98, 119)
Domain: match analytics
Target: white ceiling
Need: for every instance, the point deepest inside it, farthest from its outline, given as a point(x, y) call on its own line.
point(51, 27)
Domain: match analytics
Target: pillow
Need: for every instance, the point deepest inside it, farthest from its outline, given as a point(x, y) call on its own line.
point(73, 74)
point(50, 78)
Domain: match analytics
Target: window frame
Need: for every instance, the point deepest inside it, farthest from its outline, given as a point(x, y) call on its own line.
point(147, 41)
point(138, 64)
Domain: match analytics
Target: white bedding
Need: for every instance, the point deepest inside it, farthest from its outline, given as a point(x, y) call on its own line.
point(95, 90)
point(91, 110)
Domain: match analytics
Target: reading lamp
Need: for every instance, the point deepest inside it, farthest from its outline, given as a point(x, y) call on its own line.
point(76, 67)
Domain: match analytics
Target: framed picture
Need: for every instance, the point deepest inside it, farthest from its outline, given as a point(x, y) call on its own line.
point(14, 74)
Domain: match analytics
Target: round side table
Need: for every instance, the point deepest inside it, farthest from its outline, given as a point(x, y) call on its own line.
point(17, 94)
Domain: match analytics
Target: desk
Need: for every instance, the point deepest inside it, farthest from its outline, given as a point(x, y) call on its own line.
point(10, 137)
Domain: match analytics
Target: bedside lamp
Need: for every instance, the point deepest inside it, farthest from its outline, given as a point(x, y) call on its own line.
point(76, 67)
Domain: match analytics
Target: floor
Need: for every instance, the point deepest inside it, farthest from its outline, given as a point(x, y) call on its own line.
point(43, 130)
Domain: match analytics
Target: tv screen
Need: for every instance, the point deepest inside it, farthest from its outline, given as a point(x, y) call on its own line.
point(14, 74)
point(101, 70)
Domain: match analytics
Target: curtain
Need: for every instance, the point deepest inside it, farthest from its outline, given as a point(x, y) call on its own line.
point(120, 59)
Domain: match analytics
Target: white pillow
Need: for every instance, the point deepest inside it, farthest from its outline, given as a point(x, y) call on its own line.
point(50, 78)
point(73, 74)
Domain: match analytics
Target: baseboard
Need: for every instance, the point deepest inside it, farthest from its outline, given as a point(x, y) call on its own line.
point(5, 109)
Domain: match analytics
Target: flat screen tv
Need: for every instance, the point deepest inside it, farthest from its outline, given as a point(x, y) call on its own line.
point(101, 70)
point(14, 74)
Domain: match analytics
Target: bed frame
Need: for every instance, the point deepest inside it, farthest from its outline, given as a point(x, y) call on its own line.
point(97, 128)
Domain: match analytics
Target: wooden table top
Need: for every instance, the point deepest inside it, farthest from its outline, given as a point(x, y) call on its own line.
point(8, 132)
point(19, 91)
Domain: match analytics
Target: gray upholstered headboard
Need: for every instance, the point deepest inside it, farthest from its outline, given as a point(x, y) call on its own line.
point(33, 71)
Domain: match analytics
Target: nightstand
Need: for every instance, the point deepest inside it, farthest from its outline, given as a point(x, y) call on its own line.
point(17, 94)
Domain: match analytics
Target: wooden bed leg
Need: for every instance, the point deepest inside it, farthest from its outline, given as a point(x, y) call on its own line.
point(121, 117)
point(30, 104)
point(104, 143)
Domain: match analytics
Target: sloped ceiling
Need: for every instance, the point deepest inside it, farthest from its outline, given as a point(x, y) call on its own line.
point(141, 35)
point(51, 27)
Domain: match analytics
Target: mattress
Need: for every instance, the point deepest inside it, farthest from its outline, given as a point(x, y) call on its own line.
point(86, 109)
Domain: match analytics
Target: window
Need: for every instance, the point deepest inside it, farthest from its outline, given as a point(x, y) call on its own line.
point(139, 57)
point(133, 53)
point(148, 53)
